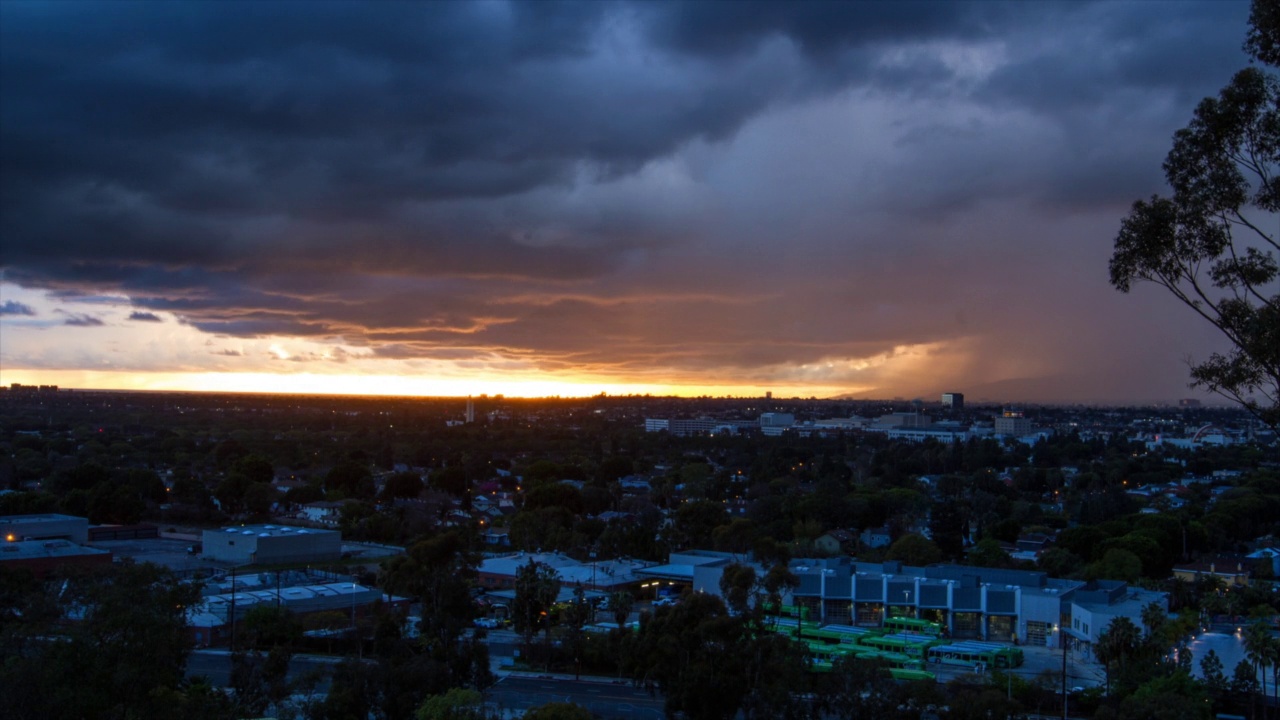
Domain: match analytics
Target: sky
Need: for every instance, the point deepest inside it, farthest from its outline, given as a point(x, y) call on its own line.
point(860, 199)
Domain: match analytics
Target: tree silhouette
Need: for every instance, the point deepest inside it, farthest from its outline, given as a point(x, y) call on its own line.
point(1210, 243)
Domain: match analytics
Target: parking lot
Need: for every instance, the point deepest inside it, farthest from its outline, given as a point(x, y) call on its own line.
point(167, 552)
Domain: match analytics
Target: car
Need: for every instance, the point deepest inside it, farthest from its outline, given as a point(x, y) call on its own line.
point(665, 601)
point(490, 623)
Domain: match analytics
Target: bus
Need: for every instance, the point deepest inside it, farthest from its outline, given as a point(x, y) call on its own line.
point(967, 653)
point(913, 645)
point(909, 674)
point(913, 625)
point(841, 634)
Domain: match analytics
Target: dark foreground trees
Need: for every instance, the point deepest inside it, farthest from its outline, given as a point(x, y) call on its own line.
point(107, 643)
point(1211, 243)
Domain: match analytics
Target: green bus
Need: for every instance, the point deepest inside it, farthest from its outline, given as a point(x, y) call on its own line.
point(841, 634)
point(967, 653)
point(913, 645)
point(909, 674)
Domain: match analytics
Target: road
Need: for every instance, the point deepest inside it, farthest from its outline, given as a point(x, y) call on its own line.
point(216, 665)
point(605, 700)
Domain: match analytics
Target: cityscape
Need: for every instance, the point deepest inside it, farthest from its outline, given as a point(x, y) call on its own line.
point(690, 360)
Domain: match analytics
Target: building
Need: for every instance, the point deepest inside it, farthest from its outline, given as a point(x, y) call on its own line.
point(876, 537)
point(777, 419)
point(1232, 573)
point(322, 511)
point(211, 622)
point(945, 435)
point(41, 557)
point(1012, 422)
point(269, 544)
point(686, 427)
point(1027, 607)
point(835, 542)
point(902, 420)
point(955, 401)
point(499, 573)
point(48, 526)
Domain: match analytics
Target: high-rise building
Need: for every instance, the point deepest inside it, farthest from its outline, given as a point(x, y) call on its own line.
point(955, 401)
point(471, 410)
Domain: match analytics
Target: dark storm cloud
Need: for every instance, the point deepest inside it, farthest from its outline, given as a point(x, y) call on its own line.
point(139, 316)
point(474, 180)
point(12, 307)
point(82, 320)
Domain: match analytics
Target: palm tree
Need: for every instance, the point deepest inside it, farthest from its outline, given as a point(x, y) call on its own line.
point(1119, 642)
point(1258, 645)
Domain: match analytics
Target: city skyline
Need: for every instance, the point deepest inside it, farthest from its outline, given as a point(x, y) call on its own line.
point(868, 199)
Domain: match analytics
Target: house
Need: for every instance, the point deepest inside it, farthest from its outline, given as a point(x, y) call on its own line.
point(1034, 543)
point(500, 537)
point(322, 511)
point(876, 537)
point(1232, 572)
point(835, 542)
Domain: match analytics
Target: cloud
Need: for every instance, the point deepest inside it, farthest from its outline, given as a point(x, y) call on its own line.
point(12, 307)
point(680, 190)
point(82, 320)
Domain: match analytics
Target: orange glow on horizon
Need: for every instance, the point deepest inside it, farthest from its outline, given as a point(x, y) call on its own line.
point(392, 385)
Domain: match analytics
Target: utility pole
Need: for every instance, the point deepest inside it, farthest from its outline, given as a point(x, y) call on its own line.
point(233, 608)
point(1062, 637)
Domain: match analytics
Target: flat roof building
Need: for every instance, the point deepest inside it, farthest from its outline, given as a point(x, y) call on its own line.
point(271, 544)
point(997, 604)
point(47, 526)
point(43, 556)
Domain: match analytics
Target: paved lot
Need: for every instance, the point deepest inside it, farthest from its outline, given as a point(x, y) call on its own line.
point(1082, 671)
point(161, 551)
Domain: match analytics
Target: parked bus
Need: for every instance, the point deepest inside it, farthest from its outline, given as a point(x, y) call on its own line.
point(841, 634)
point(976, 654)
point(913, 625)
point(913, 645)
point(908, 674)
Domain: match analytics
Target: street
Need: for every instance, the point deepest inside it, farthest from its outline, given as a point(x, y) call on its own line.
point(606, 700)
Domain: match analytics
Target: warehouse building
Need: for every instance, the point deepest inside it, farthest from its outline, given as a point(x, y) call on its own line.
point(271, 544)
point(48, 526)
point(1022, 606)
point(42, 557)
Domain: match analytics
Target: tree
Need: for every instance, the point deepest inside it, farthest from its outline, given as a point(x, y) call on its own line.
point(694, 655)
point(537, 586)
point(1258, 645)
point(1211, 671)
point(456, 704)
point(259, 680)
point(121, 649)
point(1244, 680)
point(1210, 243)
point(402, 485)
point(558, 711)
point(1118, 643)
point(914, 549)
point(620, 604)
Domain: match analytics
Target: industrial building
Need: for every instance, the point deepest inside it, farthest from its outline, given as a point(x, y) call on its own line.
point(271, 544)
point(48, 526)
point(1022, 606)
point(41, 557)
point(211, 622)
